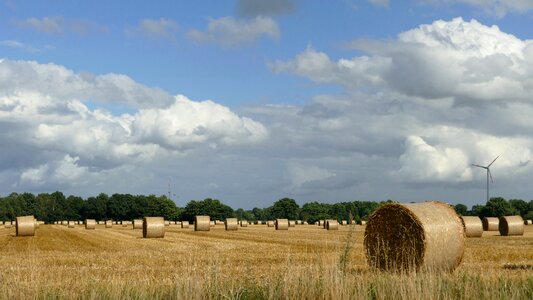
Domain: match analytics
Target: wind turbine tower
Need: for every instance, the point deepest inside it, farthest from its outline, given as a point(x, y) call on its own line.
point(488, 174)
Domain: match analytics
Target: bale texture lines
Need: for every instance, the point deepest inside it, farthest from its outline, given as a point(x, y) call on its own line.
point(282, 224)
point(202, 223)
point(511, 225)
point(472, 225)
point(425, 236)
point(90, 224)
point(153, 227)
point(490, 224)
point(231, 224)
point(25, 226)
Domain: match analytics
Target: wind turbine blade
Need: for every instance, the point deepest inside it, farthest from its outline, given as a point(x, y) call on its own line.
point(479, 166)
point(493, 161)
point(490, 175)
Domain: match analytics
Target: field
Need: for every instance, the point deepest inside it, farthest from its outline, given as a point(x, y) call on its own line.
point(256, 262)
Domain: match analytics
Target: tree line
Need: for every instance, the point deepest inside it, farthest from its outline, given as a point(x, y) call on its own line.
point(51, 207)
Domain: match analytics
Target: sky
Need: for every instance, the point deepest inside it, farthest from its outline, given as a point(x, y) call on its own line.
point(251, 101)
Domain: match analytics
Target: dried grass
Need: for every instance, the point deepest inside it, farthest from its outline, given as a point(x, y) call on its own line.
point(511, 225)
point(472, 225)
point(425, 236)
point(202, 223)
point(490, 223)
point(25, 226)
point(153, 227)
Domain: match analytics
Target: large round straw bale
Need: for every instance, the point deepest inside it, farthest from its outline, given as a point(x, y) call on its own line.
point(271, 223)
point(108, 224)
point(25, 226)
point(243, 223)
point(511, 225)
point(292, 223)
point(231, 224)
point(184, 224)
point(202, 223)
point(332, 225)
point(528, 222)
point(137, 224)
point(153, 227)
point(282, 224)
point(425, 236)
point(472, 226)
point(71, 224)
point(90, 224)
point(7, 224)
point(490, 223)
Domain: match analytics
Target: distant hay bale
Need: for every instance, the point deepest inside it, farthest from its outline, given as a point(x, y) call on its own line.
point(153, 227)
point(71, 224)
point(108, 224)
point(25, 226)
point(282, 224)
point(528, 222)
point(137, 224)
point(473, 226)
point(125, 223)
point(220, 222)
point(64, 223)
point(231, 224)
point(321, 223)
point(184, 224)
point(90, 224)
point(292, 223)
point(511, 225)
point(490, 223)
point(212, 223)
point(178, 223)
point(305, 223)
point(271, 223)
point(344, 223)
point(243, 223)
point(7, 224)
point(167, 223)
point(425, 236)
point(259, 222)
point(202, 223)
point(363, 222)
point(37, 223)
point(332, 225)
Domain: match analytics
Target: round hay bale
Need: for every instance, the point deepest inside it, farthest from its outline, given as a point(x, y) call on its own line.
point(363, 222)
point(167, 223)
point(212, 223)
point(243, 223)
point(202, 223)
point(528, 222)
point(305, 223)
point(90, 224)
point(292, 223)
point(511, 225)
point(25, 226)
point(231, 224)
point(472, 226)
point(344, 223)
point(108, 224)
point(153, 227)
point(184, 224)
point(64, 223)
point(271, 224)
point(37, 223)
point(332, 225)
point(7, 224)
point(178, 223)
point(71, 224)
point(137, 224)
point(490, 223)
point(282, 224)
point(425, 236)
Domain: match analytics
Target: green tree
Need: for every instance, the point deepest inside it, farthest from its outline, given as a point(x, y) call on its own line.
point(314, 211)
point(497, 207)
point(461, 209)
point(211, 207)
point(285, 208)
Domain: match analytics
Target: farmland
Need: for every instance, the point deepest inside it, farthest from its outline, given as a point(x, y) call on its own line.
point(255, 262)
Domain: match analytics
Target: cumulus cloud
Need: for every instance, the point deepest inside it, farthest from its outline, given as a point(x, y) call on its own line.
point(55, 139)
point(254, 8)
point(156, 28)
point(463, 60)
point(18, 45)
point(230, 32)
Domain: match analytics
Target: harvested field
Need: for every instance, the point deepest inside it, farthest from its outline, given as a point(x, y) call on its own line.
point(305, 262)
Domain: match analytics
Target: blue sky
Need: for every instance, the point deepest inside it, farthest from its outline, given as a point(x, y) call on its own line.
point(303, 98)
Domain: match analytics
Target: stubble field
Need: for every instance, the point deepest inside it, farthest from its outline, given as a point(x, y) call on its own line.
point(256, 262)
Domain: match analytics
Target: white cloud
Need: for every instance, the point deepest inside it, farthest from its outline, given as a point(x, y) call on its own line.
point(56, 25)
point(382, 3)
point(158, 28)
point(466, 61)
point(230, 32)
point(49, 25)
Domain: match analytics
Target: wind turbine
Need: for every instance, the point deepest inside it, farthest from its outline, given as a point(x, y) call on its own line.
point(488, 174)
